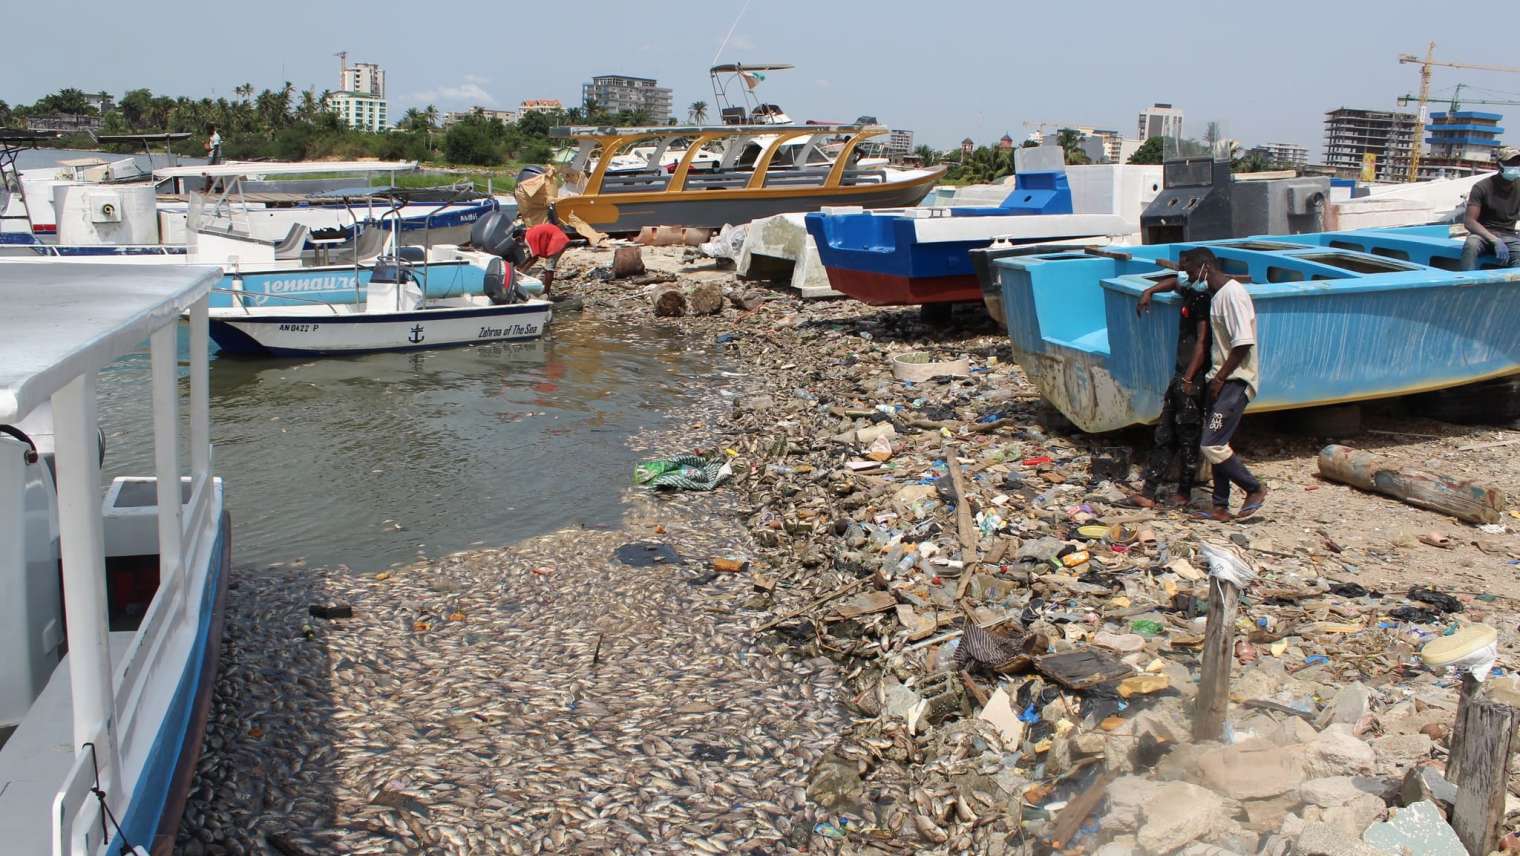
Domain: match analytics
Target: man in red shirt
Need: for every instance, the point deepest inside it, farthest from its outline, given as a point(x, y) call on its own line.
point(548, 242)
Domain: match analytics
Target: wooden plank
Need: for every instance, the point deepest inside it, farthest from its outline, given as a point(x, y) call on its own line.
point(1478, 815)
point(1069, 822)
point(964, 526)
point(1472, 501)
point(1468, 691)
point(1218, 655)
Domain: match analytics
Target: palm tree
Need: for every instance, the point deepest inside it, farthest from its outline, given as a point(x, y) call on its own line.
point(697, 112)
point(430, 113)
point(243, 90)
point(929, 156)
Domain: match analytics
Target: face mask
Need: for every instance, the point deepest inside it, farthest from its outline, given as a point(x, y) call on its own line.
point(1187, 282)
point(1510, 173)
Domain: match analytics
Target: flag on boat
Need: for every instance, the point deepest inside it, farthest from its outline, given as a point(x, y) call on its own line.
point(752, 78)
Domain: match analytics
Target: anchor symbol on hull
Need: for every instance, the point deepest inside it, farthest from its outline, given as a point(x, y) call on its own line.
point(416, 335)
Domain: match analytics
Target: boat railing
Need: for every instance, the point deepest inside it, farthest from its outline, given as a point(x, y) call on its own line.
point(106, 707)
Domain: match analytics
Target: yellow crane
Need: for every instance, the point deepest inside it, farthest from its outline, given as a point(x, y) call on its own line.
point(1419, 119)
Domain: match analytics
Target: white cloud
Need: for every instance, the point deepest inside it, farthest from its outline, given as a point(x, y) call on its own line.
point(475, 78)
point(469, 93)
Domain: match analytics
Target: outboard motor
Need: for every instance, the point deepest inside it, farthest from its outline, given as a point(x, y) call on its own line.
point(501, 285)
point(1194, 204)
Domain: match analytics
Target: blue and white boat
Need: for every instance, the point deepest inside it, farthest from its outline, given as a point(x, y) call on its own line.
point(105, 687)
point(1341, 317)
point(912, 256)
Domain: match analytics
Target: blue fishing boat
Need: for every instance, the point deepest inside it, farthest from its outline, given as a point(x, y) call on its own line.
point(1341, 317)
point(912, 256)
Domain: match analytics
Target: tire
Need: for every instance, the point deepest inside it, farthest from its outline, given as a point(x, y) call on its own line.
point(1492, 402)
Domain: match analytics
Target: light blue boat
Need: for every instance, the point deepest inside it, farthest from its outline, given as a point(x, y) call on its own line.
point(1341, 317)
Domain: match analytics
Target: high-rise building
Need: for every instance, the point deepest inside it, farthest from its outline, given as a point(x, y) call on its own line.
point(453, 117)
point(1160, 120)
point(360, 100)
point(899, 143)
point(539, 105)
point(617, 93)
point(1461, 143)
point(1283, 155)
point(363, 77)
point(1355, 137)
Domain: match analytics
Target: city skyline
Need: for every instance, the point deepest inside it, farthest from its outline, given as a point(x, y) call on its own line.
point(1235, 70)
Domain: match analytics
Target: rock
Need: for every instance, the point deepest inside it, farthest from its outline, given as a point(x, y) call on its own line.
point(705, 298)
point(835, 783)
point(1418, 828)
point(1178, 814)
point(1336, 752)
point(627, 261)
point(1320, 839)
point(1269, 813)
point(1353, 817)
point(668, 302)
point(1329, 791)
point(1402, 750)
point(1201, 849)
point(1350, 704)
point(1255, 769)
point(1427, 784)
point(1114, 848)
point(1127, 798)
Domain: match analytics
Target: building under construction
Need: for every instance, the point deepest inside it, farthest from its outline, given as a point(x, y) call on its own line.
point(1351, 136)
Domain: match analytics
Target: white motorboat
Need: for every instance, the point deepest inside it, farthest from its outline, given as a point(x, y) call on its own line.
point(105, 689)
point(394, 316)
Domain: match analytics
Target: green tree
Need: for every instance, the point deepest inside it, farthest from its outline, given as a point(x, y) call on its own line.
point(243, 90)
point(1150, 151)
point(5, 114)
point(64, 101)
point(475, 140)
point(929, 156)
point(697, 112)
point(1070, 141)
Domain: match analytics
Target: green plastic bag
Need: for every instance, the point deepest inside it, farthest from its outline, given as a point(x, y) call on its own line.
point(686, 472)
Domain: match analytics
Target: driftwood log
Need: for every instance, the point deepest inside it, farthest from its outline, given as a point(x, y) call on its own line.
point(1478, 815)
point(1472, 501)
point(627, 261)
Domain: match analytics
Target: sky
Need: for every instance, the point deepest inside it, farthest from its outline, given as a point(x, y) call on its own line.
point(978, 68)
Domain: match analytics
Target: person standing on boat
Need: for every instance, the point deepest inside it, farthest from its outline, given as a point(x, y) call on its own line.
point(1493, 206)
point(1232, 381)
point(545, 241)
point(213, 153)
point(1179, 432)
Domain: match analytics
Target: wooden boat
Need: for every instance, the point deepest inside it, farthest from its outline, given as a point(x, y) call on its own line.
point(760, 171)
point(103, 686)
point(1341, 317)
point(913, 256)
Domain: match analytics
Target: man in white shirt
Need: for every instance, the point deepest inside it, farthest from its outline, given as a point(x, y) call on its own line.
point(1232, 381)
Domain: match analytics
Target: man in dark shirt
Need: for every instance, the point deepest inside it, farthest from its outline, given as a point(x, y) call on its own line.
point(1180, 429)
point(1493, 206)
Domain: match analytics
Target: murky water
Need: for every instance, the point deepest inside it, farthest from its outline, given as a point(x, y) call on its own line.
point(370, 461)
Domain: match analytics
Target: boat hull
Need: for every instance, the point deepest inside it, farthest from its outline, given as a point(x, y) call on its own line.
point(312, 334)
point(1329, 337)
point(712, 209)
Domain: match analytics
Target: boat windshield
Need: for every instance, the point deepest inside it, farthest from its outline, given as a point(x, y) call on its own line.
point(1357, 264)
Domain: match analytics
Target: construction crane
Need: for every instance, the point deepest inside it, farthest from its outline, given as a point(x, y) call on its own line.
point(1456, 100)
point(1419, 120)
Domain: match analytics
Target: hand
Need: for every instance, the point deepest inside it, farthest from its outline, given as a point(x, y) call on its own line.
point(1215, 386)
point(1189, 386)
point(1501, 252)
point(1145, 302)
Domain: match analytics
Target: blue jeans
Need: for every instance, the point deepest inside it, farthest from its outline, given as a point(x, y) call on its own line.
point(1475, 246)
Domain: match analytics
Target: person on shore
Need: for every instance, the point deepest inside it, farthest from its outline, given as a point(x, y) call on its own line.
point(213, 153)
point(1493, 206)
point(1179, 432)
point(1232, 382)
point(548, 242)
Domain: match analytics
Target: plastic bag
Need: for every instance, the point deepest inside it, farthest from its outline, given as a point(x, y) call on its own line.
point(1227, 564)
point(685, 472)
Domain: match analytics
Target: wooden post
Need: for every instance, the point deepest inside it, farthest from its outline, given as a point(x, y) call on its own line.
point(1469, 691)
point(1218, 656)
point(1487, 728)
point(965, 526)
point(1474, 502)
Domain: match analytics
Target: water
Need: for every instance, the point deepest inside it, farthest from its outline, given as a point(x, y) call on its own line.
point(40, 158)
point(369, 461)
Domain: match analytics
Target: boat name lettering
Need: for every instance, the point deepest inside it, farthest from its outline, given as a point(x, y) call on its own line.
point(298, 328)
point(513, 330)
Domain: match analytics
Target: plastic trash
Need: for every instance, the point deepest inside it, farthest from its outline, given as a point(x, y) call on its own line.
point(684, 472)
point(1147, 628)
point(1472, 649)
point(1439, 600)
point(1227, 564)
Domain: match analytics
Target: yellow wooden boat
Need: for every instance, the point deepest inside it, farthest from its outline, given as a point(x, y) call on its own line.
point(624, 179)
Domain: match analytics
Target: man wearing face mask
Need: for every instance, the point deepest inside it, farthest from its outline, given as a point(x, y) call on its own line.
point(1232, 382)
point(1493, 206)
point(1180, 428)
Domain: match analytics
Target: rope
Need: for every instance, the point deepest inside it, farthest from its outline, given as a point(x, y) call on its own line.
point(126, 848)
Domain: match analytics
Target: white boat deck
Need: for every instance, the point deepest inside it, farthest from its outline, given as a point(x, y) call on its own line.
point(38, 757)
point(61, 320)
